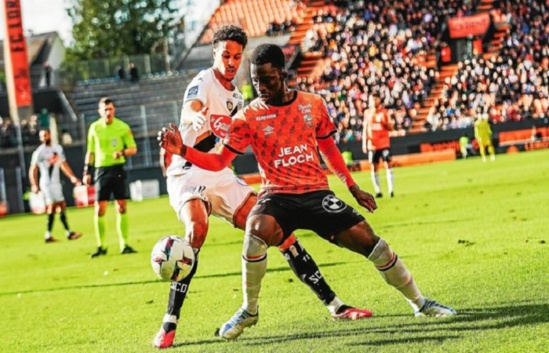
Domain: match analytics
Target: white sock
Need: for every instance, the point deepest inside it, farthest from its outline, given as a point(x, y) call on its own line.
point(252, 275)
point(375, 181)
point(170, 318)
point(334, 305)
point(47, 235)
point(389, 172)
point(395, 273)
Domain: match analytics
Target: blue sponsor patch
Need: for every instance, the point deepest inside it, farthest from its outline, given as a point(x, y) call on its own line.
point(193, 92)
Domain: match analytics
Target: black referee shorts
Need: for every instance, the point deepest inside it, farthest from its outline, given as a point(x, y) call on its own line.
point(111, 181)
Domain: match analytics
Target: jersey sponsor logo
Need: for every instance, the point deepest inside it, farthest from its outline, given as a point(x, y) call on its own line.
point(219, 125)
point(265, 117)
point(332, 204)
point(193, 92)
point(289, 156)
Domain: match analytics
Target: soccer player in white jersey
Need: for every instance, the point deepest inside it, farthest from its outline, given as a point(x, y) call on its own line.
point(49, 158)
point(210, 101)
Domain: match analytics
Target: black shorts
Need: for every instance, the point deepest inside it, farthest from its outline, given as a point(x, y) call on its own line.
point(319, 211)
point(110, 181)
point(384, 154)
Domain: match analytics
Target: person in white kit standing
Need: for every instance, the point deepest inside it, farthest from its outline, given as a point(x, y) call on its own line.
point(49, 159)
point(210, 101)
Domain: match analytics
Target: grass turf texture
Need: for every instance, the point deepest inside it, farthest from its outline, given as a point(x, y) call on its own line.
point(473, 234)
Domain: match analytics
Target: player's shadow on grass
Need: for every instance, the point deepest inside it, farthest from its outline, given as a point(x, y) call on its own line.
point(413, 329)
point(106, 285)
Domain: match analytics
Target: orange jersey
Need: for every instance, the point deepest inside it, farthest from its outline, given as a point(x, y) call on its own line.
point(377, 129)
point(283, 139)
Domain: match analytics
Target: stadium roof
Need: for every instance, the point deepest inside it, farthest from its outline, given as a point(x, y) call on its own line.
point(35, 44)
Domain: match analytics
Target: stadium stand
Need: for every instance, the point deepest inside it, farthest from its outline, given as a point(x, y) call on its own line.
point(511, 83)
point(255, 17)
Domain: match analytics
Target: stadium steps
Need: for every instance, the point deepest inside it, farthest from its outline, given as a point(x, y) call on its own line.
point(311, 62)
point(419, 122)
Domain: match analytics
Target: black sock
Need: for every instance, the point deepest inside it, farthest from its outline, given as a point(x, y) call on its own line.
point(179, 290)
point(308, 272)
point(63, 217)
point(51, 218)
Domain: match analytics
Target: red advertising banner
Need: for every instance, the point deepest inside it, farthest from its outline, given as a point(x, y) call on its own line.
point(475, 25)
point(17, 52)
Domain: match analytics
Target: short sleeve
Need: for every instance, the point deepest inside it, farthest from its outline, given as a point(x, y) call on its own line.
point(91, 139)
point(129, 141)
point(198, 89)
point(61, 153)
point(325, 126)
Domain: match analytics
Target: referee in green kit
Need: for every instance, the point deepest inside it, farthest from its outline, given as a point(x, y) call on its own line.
point(110, 141)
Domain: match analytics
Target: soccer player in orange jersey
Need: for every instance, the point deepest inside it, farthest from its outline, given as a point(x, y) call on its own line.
point(210, 101)
point(284, 129)
point(376, 143)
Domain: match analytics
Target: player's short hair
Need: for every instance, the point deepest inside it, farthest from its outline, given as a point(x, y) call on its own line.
point(230, 32)
point(106, 100)
point(268, 54)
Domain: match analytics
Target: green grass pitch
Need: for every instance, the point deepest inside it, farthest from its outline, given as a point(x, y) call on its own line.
point(473, 234)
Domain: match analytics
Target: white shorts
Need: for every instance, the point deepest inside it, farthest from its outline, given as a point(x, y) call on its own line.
point(223, 191)
point(53, 193)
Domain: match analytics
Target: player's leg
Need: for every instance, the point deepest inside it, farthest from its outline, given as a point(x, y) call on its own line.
point(193, 209)
point(388, 163)
point(103, 191)
point(491, 151)
point(481, 149)
point(62, 205)
point(120, 193)
point(233, 197)
point(50, 214)
point(122, 226)
point(373, 158)
point(262, 231)
point(361, 238)
point(100, 208)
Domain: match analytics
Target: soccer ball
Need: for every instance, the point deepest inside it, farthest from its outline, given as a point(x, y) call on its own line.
point(172, 258)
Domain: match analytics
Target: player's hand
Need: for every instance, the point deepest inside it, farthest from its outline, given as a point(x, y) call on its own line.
point(76, 181)
point(87, 179)
point(35, 189)
point(170, 139)
point(198, 119)
point(363, 198)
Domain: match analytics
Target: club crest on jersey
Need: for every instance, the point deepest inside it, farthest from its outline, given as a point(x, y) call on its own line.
point(332, 204)
point(230, 105)
point(193, 92)
point(308, 120)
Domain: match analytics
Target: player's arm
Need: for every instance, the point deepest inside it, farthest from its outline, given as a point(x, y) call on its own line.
point(33, 177)
point(69, 173)
point(88, 167)
point(130, 147)
point(365, 126)
point(335, 162)
point(194, 114)
point(388, 122)
point(170, 139)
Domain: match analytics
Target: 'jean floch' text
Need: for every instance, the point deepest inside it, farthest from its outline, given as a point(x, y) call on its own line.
point(293, 155)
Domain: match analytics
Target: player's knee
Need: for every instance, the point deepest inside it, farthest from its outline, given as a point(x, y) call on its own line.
point(360, 238)
point(254, 248)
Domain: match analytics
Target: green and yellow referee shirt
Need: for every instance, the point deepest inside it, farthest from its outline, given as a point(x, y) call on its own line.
point(104, 140)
